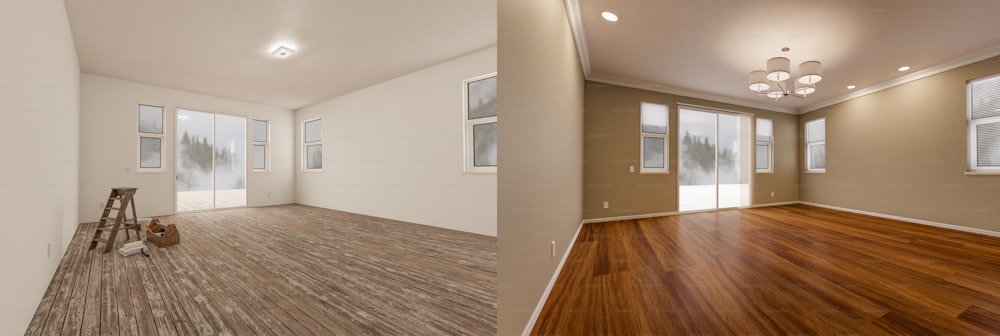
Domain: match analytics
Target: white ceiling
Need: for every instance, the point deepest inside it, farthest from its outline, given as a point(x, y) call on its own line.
point(707, 48)
point(222, 47)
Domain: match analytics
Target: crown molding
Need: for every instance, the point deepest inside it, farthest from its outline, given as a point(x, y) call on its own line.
point(657, 87)
point(579, 35)
point(924, 73)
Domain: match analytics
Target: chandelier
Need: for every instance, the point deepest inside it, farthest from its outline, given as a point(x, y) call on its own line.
point(772, 82)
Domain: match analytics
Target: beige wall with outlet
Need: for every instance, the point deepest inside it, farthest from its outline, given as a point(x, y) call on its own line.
point(902, 152)
point(108, 145)
point(39, 89)
point(612, 145)
point(540, 152)
point(395, 150)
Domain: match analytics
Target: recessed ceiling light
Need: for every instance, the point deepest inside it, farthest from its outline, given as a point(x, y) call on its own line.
point(609, 16)
point(282, 52)
point(904, 68)
point(851, 87)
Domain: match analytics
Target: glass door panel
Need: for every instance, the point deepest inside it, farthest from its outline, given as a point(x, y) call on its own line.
point(696, 167)
point(230, 161)
point(195, 144)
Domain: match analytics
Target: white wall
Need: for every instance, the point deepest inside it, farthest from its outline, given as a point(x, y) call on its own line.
point(108, 142)
point(39, 91)
point(394, 150)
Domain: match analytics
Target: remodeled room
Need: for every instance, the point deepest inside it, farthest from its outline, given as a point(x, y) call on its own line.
point(249, 168)
point(749, 167)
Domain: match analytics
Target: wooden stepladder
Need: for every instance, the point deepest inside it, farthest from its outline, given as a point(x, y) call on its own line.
point(119, 221)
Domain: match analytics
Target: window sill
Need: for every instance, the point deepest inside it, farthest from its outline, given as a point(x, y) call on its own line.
point(765, 172)
point(982, 173)
point(654, 172)
point(814, 172)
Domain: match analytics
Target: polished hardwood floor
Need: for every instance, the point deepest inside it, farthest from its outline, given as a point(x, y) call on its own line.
point(783, 270)
point(283, 270)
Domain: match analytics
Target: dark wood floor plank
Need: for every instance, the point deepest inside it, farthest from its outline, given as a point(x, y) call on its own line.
point(284, 270)
point(779, 270)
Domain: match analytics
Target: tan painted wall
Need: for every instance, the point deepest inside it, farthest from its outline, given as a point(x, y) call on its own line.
point(902, 152)
point(611, 145)
point(540, 177)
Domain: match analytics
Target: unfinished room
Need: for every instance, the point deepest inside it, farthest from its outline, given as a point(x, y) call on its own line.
point(749, 167)
point(249, 168)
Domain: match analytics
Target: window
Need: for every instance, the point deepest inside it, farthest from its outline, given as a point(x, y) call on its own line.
point(765, 143)
point(312, 140)
point(260, 145)
point(816, 146)
point(984, 124)
point(150, 138)
point(480, 118)
point(653, 131)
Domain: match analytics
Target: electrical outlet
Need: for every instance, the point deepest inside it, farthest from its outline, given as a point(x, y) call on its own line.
point(49, 253)
point(772, 194)
point(631, 169)
point(269, 195)
point(605, 204)
point(553, 248)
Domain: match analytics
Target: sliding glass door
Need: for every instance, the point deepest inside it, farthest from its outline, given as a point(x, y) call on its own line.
point(714, 160)
point(211, 161)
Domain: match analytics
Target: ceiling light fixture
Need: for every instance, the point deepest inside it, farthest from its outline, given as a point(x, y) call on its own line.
point(611, 17)
point(903, 68)
point(282, 52)
point(851, 87)
point(771, 81)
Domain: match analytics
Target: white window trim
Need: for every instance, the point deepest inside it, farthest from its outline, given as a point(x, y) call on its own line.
point(770, 148)
point(642, 144)
point(266, 144)
point(161, 136)
point(305, 147)
point(469, 156)
point(971, 133)
point(809, 145)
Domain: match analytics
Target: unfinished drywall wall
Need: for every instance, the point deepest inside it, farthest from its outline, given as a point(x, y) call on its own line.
point(109, 154)
point(540, 183)
point(39, 88)
point(903, 152)
point(612, 145)
point(395, 150)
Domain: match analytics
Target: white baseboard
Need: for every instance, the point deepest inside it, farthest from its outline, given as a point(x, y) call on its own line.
point(774, 204)
point(907, 219)
point(552, 282)
point(620, 218)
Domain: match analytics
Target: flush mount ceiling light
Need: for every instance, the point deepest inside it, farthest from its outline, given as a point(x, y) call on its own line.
point(903, 68)
point(282, 52)
point(851, 87)
point(771, 82)
point(611, 17)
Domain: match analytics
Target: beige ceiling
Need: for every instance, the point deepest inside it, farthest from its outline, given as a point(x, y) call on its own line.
point(706, 48)
point(222, 47)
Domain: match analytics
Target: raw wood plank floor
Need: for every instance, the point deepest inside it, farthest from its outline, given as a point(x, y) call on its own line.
point(775, 271)
point(283, 270)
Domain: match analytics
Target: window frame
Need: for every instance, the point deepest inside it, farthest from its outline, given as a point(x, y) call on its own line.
point(468, 126)
point(666, 143)
point(770, 146)
point(159, 136)
point(809, 146)
point(972, 148)
point(266, 143)
point(306, 144)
